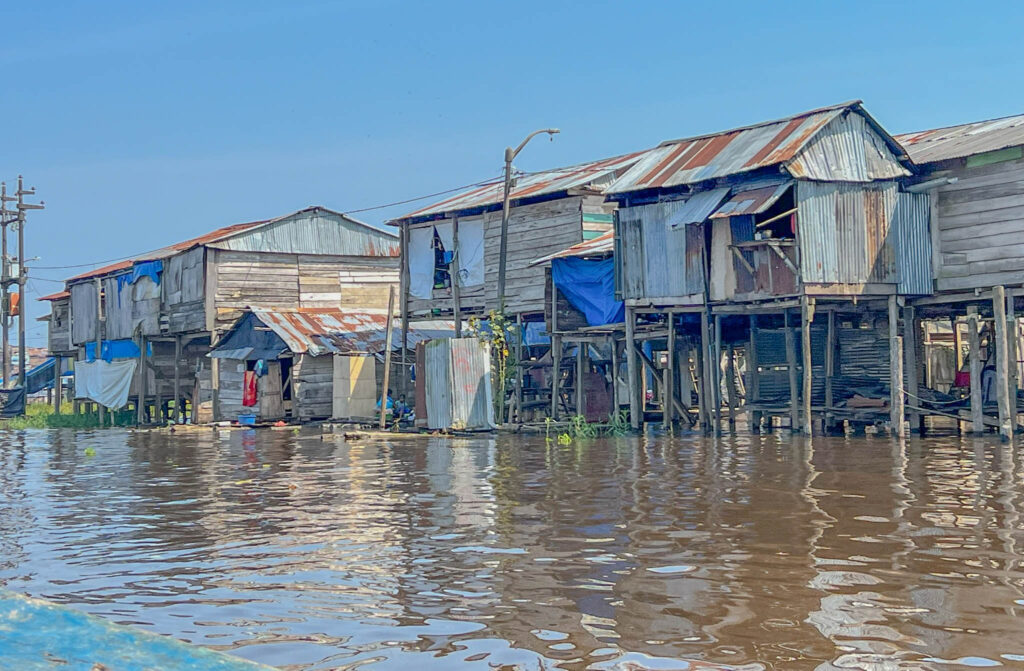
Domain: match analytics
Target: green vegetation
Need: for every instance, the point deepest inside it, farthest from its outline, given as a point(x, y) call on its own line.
point(41, 416)
point(580, 429)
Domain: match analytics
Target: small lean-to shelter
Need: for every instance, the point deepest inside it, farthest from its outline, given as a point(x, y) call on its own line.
point(182, 298)
point(450, 250)
point(306, 364)
point(774, 221)
point(974, 173)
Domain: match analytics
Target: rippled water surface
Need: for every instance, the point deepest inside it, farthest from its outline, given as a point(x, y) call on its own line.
point(760, 552)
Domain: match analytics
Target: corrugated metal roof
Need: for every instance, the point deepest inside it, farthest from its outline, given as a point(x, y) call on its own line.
point(228, 232)
point(754, 201)
point(698, 207)
point(595, 174)
point(731, 152)
point(967, 139)
point(319, 331)
point(602, 244)
point(55, 297)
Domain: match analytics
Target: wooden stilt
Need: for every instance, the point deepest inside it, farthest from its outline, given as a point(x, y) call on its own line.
point(633, 372)
point(806, 317)
point(403, 287)
point(1002, 361)
point(453, 275)
point(58, 393)
point(520, 334)
point(753, 378)
point(794, 393)
point(178, 416)
point(706, 395)
point(896, 399)
point(99, 339)
point(957, 358)
point(556, 373)
point(974, 358)
point(716, 375)
point(1012, 351)
point(669, 385)
point(581, 364)
point(830, 370)
point(911, 336)
point(730, 385)
point(141, 375)
point(614, 348)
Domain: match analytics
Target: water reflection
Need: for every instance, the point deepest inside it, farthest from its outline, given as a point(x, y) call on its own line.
point(310, 552)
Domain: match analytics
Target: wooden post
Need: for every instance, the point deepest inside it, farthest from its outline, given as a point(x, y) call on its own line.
point(753, 378)
point(387, 357)
point(58, 393)
point(1001, 343)
point(140, 382)
point(615, 374)
point(668, 387)
point(178, 415)
point(911, 336)
point(403, 287)
point(556, 372)
point(581, 399)
point(974, 358)
point(830, 369)
point(896, 401)
point(716, 374)
point(519, 367)
point(453, 275)
point(806, 317)
point(100, 410)
point(705, 394)
point(794, 405)
point(1012, 355)
point(632, 374)
point(730, 385)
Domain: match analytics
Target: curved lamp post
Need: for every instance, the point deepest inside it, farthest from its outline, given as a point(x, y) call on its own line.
point(510, 154)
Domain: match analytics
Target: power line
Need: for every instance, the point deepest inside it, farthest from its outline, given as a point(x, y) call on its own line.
point(496, 180)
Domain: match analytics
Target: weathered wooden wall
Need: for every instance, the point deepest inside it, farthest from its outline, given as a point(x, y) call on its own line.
point(184, 291)
point(229, 391)
point(656, 262)
point(83, 312)
point(978, 227)
point(312, 385)
point(60, 326)
point(441, 303)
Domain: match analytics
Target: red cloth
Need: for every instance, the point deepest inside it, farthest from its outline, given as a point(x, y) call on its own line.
point(249, 389)
point(962, 379)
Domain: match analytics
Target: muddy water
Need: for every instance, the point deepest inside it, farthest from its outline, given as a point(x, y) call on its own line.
point(309, 553)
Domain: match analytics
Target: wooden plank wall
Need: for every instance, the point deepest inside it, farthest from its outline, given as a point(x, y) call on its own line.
point(229, 393)
point(471, 298)
point(83, 312)
point(60, 326)
point(184, 291)
point(312, 385)
point(980, 222)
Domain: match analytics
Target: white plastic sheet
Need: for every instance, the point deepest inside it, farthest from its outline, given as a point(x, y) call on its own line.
point(421, 262)
point(471, 252)
point(106, 383)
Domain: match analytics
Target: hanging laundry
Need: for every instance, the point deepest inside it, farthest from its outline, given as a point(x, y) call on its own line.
point(107, 383)
point(249, 389)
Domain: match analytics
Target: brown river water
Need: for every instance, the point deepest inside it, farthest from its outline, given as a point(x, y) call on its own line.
point(310, 552)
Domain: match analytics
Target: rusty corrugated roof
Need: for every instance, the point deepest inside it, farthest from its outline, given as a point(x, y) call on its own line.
point(753, 201)
point(599, 246)
point(595, 174)
point(55, 297)
point(319, 331)
point(978, 137)
point(706, 157)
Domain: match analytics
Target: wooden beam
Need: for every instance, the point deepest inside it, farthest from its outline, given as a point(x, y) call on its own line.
point(706, 412)
point(403, 287)
point(100, 410)
point(520, 371)
point(615, 374)
point(658, 380)
point(178, 415)
point(911, 338)
point(57, 391)
point(581, 399)
point(753, 378)
point(974, 358)
point(387, 357)
point(794, 406)
point(669, 386)
point(716, 374)
point(632, 374)
point(556, 372)
point(1000, 341)
point(1012, 344)
point(730, 385)
point(896, 399)
point(830, 368)
point(806, 317)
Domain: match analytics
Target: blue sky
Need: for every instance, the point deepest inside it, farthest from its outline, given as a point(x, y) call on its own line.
point(146, 123)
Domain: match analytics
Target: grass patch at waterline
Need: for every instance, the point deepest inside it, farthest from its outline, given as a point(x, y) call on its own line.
point(42, 416)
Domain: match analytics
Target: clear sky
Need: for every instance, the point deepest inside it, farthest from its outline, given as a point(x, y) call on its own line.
point(143, 123)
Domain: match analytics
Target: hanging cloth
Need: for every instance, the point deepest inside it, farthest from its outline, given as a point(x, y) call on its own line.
point(249, 389)
point(421, 262)
point(107, 383)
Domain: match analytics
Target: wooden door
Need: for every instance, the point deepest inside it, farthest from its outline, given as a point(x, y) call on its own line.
point(270, 388)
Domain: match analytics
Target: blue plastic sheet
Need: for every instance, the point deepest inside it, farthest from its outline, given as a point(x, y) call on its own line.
point(590, 286)
point(150, 269)
point(535, 333)
point(250, 340)
point(116, 349)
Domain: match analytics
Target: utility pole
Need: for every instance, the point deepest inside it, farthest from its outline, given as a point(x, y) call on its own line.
point(22, 276)
point(6, 217)
point(510, 155)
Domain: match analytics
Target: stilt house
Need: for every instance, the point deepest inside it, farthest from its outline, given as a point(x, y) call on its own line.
point(178, 300)
point(767, 221)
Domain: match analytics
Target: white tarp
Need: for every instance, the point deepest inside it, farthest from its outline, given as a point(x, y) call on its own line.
point(471, 253)
point(421, 262)
point(106, 383)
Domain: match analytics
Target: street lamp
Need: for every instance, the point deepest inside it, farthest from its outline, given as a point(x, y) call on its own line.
point(510, 155)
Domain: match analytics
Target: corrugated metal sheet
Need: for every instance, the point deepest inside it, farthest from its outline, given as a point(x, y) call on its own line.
point(472, 406)
point(319, 331)
point(437, 382)
point(60, 295)
point(847, 150)
point(599, 246)
point(741, 150)
point(913, 244)
point(966, 139)
point(754, 201)
point(698, 207)
point(593, 174)
point(659, 260)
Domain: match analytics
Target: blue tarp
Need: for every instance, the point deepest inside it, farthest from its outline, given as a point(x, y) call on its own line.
point(535, 333)
point(150, 269)
point(250, 340)
point(116, 349)
point(590, 287)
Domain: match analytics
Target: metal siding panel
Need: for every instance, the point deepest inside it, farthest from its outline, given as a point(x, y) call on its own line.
point(913, 243)
point(471, 384)
point(847, 149)
point(437, 381)
point(967, 139)
point(314, 232)
point(83, 312)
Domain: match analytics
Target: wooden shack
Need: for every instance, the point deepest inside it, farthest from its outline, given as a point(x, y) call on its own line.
point(974, 173)
point(308, 363)
point(787, 218)
point(450, 250)
point(180, 299)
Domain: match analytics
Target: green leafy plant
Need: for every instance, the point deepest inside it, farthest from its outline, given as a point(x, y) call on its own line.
point(500, 332)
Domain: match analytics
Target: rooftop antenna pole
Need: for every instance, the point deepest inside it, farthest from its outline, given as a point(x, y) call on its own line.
point(6, 217)
point(22, 275)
